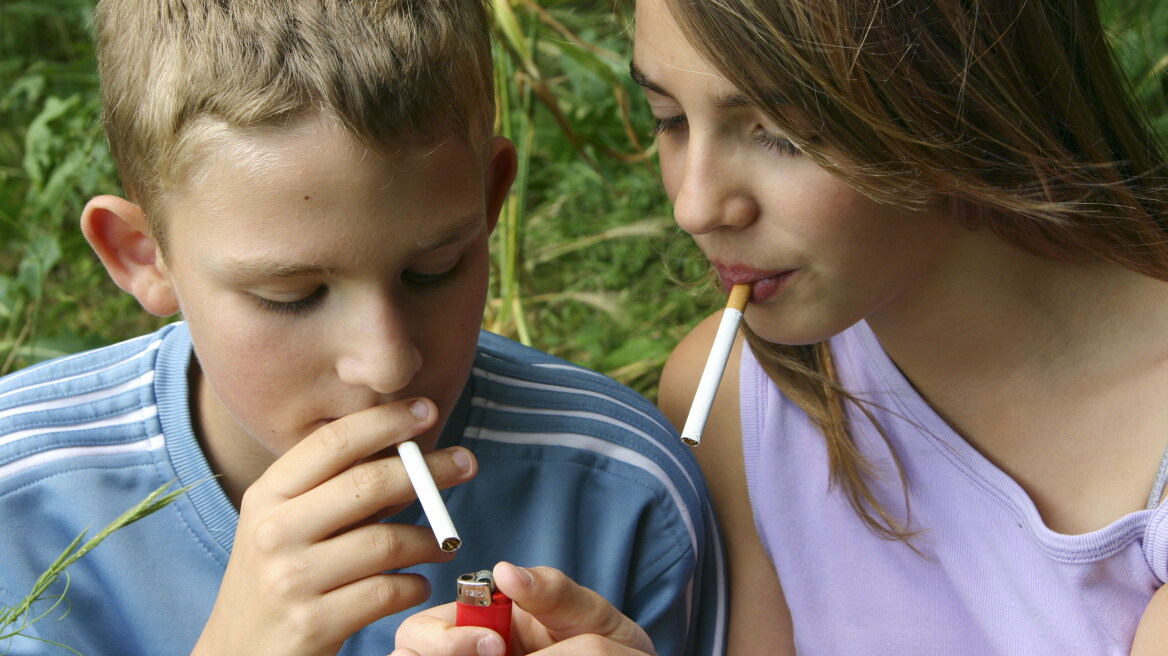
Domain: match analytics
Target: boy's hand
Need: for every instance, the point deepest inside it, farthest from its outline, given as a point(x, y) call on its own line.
point(553, 616)
point(306, 567)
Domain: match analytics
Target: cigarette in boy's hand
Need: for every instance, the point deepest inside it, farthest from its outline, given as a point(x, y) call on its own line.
point(427, 491)
point(699, 412)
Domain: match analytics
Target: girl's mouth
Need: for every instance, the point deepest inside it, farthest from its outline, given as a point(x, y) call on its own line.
point(766, 284)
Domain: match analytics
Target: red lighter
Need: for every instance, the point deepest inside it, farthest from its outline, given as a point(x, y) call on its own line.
point(480, 604)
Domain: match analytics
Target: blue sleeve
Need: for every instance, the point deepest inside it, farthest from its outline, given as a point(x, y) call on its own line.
point(684, 610)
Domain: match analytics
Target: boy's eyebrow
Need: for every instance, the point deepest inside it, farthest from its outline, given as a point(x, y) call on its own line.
point(643, 80)
point(263, 266)
point(456, 231)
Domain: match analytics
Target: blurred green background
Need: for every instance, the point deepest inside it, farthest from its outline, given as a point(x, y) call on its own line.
point(587, 263)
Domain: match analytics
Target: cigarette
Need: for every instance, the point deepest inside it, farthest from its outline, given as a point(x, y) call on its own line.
point(699, 412)
point(432, 504)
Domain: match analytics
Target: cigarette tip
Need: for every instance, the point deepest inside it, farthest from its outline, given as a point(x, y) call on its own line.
point(451, 544)
point(690, 441)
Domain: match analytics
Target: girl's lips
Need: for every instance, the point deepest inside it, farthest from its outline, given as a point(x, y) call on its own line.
point(766, 288)
point(765, 284)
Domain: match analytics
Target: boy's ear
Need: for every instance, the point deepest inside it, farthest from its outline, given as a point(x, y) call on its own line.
point(501, 167)
point(116, 229)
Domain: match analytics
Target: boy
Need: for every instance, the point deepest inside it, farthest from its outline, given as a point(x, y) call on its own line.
point(312, 183)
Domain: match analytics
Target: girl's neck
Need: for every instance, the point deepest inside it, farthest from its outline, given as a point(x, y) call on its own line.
point(995, 313)
point(1054, 371)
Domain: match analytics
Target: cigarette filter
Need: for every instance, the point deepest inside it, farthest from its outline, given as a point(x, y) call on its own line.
point(480, 604)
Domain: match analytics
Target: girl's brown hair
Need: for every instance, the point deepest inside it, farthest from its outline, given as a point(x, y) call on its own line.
point(1011, 111)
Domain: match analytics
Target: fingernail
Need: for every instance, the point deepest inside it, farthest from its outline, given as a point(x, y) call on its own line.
point(526, 577)
point(420, 409)
point(462, 460)
point(490, 645)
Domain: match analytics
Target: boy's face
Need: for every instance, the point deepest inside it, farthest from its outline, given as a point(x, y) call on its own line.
point(319, 279)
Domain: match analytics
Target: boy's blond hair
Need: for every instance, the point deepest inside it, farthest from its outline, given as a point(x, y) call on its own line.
point(177, 73)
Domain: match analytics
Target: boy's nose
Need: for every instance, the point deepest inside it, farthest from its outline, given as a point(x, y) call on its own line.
point(378, 352)
point(712, 194)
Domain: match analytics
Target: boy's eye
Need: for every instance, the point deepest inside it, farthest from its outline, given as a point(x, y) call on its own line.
point(297, 306)
point(667, 125)
point(415, 277)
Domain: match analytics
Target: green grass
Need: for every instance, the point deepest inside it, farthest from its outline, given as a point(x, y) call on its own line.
point(42, 601)
point(583, 256)
point(586, 265)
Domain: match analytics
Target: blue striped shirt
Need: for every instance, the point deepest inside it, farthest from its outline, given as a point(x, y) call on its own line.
point(575, 472)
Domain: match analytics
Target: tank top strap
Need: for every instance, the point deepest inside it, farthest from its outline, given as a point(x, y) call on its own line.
point(1161, 480)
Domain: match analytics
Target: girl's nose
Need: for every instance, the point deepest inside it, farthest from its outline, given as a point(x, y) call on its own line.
point(712, 192)
point(379, 351)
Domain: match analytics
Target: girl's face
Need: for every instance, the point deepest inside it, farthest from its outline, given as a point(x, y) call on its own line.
point(821, 255)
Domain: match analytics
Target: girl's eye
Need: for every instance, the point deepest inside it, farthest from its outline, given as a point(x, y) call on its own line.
point(667, 125)
point(298, 306)
point(780, 145)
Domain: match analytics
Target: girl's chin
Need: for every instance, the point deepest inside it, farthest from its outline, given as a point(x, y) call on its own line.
point(785, 334)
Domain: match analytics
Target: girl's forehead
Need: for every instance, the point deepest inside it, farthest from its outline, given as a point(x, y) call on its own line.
point(662, 53)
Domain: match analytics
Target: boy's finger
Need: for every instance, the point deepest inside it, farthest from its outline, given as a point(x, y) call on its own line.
point(369, 550)
point(353, 606)
point(565, 608)
point(432, 632)
point(338, 445)
point(358, 493)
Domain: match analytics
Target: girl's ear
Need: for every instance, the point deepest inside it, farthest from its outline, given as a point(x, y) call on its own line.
point(116, 229)
point(501, 165)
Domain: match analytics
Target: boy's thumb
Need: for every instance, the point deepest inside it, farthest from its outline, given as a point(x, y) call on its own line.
point(565, 608)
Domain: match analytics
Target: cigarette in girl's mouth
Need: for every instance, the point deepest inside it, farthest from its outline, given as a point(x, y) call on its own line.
point(699, 412)
point(427, 491)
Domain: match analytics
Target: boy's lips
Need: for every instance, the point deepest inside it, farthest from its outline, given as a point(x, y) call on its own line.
point(765, 284)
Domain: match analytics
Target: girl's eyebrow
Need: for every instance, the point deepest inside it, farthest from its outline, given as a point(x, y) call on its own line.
point(643, 80)
point(730, 100)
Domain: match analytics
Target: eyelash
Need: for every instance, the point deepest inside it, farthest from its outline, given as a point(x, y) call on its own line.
point(302, 305)
point(778, 144)
point(415, 278)
point(292, 307)
point(766, 140)
point(666, 125)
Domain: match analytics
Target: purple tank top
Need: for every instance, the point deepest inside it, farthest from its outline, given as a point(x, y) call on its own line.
point(993, 579)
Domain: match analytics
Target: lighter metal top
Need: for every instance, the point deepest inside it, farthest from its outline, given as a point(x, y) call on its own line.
point(476, 588)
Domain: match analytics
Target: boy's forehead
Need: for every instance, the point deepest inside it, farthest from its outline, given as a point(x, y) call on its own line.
point(266, 155)
point(306, 174)
point(312, 134)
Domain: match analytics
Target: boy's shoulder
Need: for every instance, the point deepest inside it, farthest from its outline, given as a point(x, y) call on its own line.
point(529, 399)
point(86, 368)
point(95, 398)
point(500, 356)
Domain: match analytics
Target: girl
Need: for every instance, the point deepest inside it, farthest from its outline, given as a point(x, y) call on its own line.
point(946, 429)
